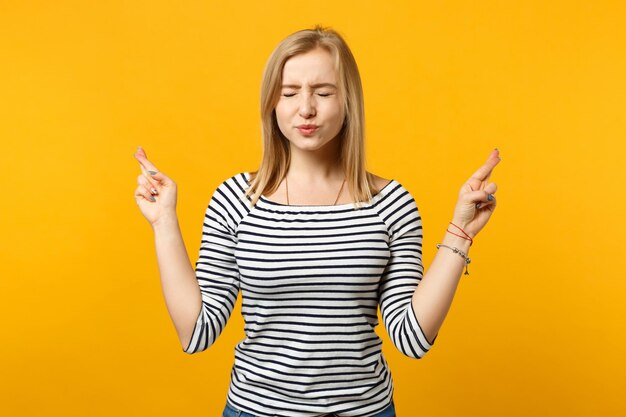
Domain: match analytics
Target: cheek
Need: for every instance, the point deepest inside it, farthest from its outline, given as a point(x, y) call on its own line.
point(338, 115)
point(282, 112)
point(336, 109)
point(282, 119)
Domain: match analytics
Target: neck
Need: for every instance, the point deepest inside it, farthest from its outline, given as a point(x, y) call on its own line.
point(319, 167)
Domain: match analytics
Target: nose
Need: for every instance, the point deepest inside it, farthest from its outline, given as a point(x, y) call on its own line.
point(307, 106)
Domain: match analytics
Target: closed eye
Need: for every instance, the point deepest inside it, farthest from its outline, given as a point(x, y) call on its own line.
point(319, 94)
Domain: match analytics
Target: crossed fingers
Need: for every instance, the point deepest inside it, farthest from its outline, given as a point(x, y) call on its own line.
point(146, 178)
point(479, 179)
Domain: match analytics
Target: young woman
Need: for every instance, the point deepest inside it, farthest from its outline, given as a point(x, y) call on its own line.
point(315, 243)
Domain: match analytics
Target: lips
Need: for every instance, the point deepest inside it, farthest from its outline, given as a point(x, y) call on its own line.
point(307, 129)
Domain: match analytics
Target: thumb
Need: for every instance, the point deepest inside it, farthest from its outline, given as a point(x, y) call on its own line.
point(478, 196)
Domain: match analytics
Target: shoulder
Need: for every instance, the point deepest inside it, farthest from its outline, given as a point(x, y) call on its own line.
point(235, 184)
point(398, 211)
point(395, 204)
point(379, 182)
point(392, 189)
point(232, 190)
point(229, 201)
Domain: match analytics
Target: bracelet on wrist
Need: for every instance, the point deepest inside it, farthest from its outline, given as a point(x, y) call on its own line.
point(463, 236)
point(460, 253)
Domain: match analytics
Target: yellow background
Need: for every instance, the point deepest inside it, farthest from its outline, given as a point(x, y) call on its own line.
point(537, 329)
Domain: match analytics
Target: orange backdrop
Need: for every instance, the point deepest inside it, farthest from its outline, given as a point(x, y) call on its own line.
point(536, 329)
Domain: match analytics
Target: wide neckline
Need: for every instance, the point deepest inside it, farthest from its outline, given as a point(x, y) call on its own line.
point(324, 206)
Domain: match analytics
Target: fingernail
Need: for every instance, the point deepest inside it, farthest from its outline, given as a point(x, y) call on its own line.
point(152, 172)
point(490, 197)
point(152, 199)
point(478, 205)
point(153, 191)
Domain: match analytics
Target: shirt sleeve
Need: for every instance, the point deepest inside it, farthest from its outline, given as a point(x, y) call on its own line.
point(216, 272)
point(401, 276)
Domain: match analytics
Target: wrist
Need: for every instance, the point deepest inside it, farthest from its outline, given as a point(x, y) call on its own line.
point(460, 232)
point(165, 222)
point(456, 241)
point(459, 252)
point(463, 225)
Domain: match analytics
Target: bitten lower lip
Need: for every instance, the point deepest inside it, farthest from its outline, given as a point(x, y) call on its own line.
point(307, 130)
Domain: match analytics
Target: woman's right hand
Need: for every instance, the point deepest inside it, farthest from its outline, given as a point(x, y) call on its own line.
point(156, 193)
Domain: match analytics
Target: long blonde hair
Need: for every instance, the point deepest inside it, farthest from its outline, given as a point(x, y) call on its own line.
point(276, 153)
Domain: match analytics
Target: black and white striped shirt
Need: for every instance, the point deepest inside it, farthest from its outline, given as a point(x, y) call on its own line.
point(311, 279)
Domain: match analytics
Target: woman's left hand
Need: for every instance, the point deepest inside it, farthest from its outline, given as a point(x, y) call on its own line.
point(476, 201)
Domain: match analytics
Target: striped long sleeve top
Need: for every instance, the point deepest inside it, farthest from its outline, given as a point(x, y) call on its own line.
point(311, 279)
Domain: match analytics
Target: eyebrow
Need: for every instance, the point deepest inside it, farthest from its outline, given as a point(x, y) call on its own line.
point(318, 85)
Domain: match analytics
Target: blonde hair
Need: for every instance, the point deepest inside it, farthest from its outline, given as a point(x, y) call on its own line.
point(276, 154)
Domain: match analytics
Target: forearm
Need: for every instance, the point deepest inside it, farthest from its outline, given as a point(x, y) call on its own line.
point(434, 295)
point(178, 278)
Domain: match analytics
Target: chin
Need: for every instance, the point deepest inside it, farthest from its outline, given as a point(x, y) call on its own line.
point(310, 143)
point(313, 148)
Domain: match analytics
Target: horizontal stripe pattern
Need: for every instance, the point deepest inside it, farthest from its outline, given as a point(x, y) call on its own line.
point(311, 280)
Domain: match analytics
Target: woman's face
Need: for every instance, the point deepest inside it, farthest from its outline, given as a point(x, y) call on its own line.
point(310, 112)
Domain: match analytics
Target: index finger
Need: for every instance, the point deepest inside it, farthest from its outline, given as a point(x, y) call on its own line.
point(483, 173)
point(144, 163)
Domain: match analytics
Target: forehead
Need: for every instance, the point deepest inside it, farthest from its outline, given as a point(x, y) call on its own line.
point(315, 66)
